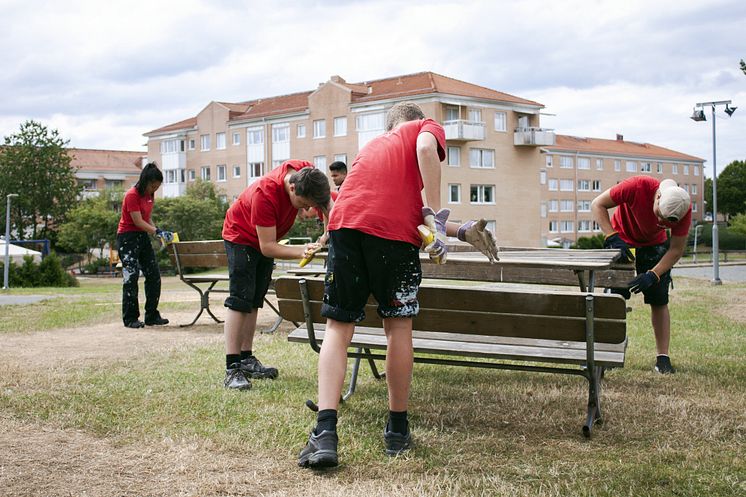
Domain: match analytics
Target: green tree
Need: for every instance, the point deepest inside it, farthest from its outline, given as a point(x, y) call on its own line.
point(198, 215)
point(743, 66)
point(35, 164)
point(89, 223)
point(732, 189)
point(708, 195)
point(738, 223)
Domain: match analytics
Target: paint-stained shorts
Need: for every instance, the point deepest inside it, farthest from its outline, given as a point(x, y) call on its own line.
point(360, 264)
point(250, 276)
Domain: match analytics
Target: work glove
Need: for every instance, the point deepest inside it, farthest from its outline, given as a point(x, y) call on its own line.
point(477, 235)
point(643, 281)
point(436, 223)
point(166, 236)
point(614, 241)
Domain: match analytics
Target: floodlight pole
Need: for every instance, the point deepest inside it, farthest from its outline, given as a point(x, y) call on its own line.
point(7, 241)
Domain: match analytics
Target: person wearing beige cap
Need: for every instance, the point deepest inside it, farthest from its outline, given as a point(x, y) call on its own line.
point(645, 209)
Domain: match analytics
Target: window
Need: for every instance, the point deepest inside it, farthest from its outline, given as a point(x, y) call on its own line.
point(685, 187)
point(554, 206)
point(584, 226)
point(566, 162)
point(205, 173)
point(543, 209)
point(340, 126)
point(596, 185)
point(660, 168)
point(255, 170)
point(88, 184)
point(301, 131)
point(482, 158)
point(223, 199)
point(567, 226)
point(646, 167)
point(584, 205)
point(675, 169)
point(219, 141)
point(280, 133)
point(454, 156)
point(319, 128)
point(542, 177)
point(631, 166)
point(694, 189)
point(553, 226)
point(204, 142)
point(170, 176)
point(341, 158)
point(320, 163)
point(548, 160)
point(368, 127)
point(694, 206)
point(566, 205)
point(221, 172)
point(192, 175)
point(475, 115)
point(192, 144)
point(584, 163)
point(236, 171)
point(482, 194)
point(617, 165)
point(454, 194)
point(110, 184)
point(501, 121)
point(599, 164)
point(696, 170)
point(596, 226)
point(255, 136)
point(552, 185)
point(172, 146)
point(565, 185)
point(584, 185)
point(452, 113)
point(236, 138)
point(686, 170)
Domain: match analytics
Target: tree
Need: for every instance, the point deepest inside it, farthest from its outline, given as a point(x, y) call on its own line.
point(738, 223)
point(708, 195)
point(198, 215)
point(743, 66)
point(732, 189)
point(35, 164)
point(89, 223)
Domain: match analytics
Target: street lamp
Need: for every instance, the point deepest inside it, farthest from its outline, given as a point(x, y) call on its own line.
point(696, 232)
point(699, 115)
point(7, 242)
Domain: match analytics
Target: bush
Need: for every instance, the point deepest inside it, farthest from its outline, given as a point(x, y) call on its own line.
point(49, 272)
point(729, 239)
point(592, 242)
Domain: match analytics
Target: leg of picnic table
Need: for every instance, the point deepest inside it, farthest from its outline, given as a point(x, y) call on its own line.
point(353, 376)
point(594, 400)
point(206, 302)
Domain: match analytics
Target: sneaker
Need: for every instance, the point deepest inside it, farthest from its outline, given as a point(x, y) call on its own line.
point(320, 451)
point(135, 324)
point(156, 321)
point(396, 443)
point(235, 378)
point(252, 368)
point(663, 365)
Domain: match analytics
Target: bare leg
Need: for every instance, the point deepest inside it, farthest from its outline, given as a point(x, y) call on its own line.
point(333, 362)
point(248, 327)
point(399, 361)
point(233, 330)
point(661, 321)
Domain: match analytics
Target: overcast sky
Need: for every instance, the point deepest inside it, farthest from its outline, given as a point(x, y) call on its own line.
point(104, 73)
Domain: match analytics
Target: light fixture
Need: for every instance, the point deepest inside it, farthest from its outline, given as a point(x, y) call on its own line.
point(730, 110)
point(698, 115)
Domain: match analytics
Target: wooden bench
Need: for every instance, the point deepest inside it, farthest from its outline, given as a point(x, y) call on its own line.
point(531, 330)
point(207, 254)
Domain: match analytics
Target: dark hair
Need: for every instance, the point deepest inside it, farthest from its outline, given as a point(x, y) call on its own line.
point(403, 112)
point(149, 174)
point(338, 166)
point(312, 184)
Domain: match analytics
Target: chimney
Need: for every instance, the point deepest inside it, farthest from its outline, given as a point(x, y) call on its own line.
point(337, 79)
point(619, 138)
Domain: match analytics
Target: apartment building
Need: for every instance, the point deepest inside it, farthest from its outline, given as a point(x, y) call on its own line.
point(493, 143)
point(98, 170)
point(576, 169)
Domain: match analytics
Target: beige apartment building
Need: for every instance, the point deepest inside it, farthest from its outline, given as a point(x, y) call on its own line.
point(576, 169)
point(99, 170)
point(497, 152)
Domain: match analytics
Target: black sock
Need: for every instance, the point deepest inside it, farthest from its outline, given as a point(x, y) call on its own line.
point(245, 354)
point(231, 359)
point(398, 422)
point(326, 420)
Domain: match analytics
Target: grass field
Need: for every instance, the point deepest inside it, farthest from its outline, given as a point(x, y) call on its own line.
point(478, 432)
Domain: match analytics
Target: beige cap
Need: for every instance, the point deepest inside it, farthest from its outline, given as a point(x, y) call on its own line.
point(674, 201)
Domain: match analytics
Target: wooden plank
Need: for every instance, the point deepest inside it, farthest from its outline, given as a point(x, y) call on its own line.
point(200, 247)
point(203, 260)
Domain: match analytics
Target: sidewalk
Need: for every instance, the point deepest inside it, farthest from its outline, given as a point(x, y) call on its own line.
point(729, 271)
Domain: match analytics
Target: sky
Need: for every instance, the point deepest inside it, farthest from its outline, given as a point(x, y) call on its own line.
point(104, 73)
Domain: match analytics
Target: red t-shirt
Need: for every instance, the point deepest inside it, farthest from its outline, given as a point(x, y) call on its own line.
point(133, 202)
point(634, 218)
point(263, 203)
point(382, 191)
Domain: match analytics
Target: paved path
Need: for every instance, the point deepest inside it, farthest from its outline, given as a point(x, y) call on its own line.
point(22, 299)
point(736, 273)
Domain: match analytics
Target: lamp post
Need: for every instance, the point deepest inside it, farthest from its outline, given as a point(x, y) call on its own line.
point(699, 115)
point(696, 232)
point(7, 241)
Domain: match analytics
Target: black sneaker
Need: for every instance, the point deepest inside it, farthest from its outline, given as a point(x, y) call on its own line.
point(252, 368)
point(235, 378)
point(320, 451)
point(396, 443)
point(156, 321)
point(663, 365)
point(135, 324)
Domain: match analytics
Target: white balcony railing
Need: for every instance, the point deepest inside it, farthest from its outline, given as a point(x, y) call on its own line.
point(533, 136)
point(463, 130)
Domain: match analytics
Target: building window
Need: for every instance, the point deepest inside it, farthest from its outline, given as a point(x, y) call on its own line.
point(554, 205)
point(319, 128)
point(675, 169)
point(341, 158)
point(204, 142)
point(301, 131)
point(454, 194)
point(548, 160)
point(567, 226)
point(631, 166)
point(205, 173)
point(584, 226)
point(255, 170)
point(596, 185)
point(340, 126)
point(552, 185)
point(255, 136)
point(111, 184)
point(694, 206)
point(553, 226)
point(219, 141)
point(584, 205)
point(320, 163)
point(543, 209)
point(584, 163)
point(475, 115)
point(685, 187)
point(660, 168)
point(192, 175)
point(599, 164)
point(694, 189)
point(696, 170)
point(566, 162)
point(596, 226)
point(686, 170)
point(236, 138)
point(542, 177)
point(566, 205)
point(584, 185)
point(236, 171)
point(482, 158)
point(88, 184)
point(454, 156)
point(482, 194)
point(566, 185)
point(221, 172)
point(452, 113)
point(280, 133)
point(646, 167)
point(192, 144)
point(617, 165)
point(501, 121)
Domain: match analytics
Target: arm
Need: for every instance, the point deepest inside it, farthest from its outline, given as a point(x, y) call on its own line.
point(140, 222)
point(672, 256)
point(429, 162)
point(600, 210)
point(270, 248)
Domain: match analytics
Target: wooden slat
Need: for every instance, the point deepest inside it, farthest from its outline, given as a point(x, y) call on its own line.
point(200, 247)
point(203, 260)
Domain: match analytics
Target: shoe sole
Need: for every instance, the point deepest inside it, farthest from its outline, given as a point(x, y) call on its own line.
point(238, 388)
point(320, 459)
point(260, 376)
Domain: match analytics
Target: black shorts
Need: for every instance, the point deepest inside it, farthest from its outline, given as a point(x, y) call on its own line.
point(645, 259)
point(360, 264)
point(250, 276)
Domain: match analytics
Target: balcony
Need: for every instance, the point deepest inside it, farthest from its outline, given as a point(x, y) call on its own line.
point(461, 130)
point(533, 137)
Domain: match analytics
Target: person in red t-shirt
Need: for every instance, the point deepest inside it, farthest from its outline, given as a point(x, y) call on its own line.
point(136, 252)
point(262, 214)
point(645, 209)
point(391, 188)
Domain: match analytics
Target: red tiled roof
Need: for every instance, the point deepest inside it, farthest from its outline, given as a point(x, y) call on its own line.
point(185, 124)
point(283, 104)
point(120, 161)
point(616, 147)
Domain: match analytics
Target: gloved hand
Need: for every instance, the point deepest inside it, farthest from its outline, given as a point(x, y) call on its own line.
point(643, 281)
point(436, 222)
point(614, 241)
point(166, 236)
point(475, 233)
